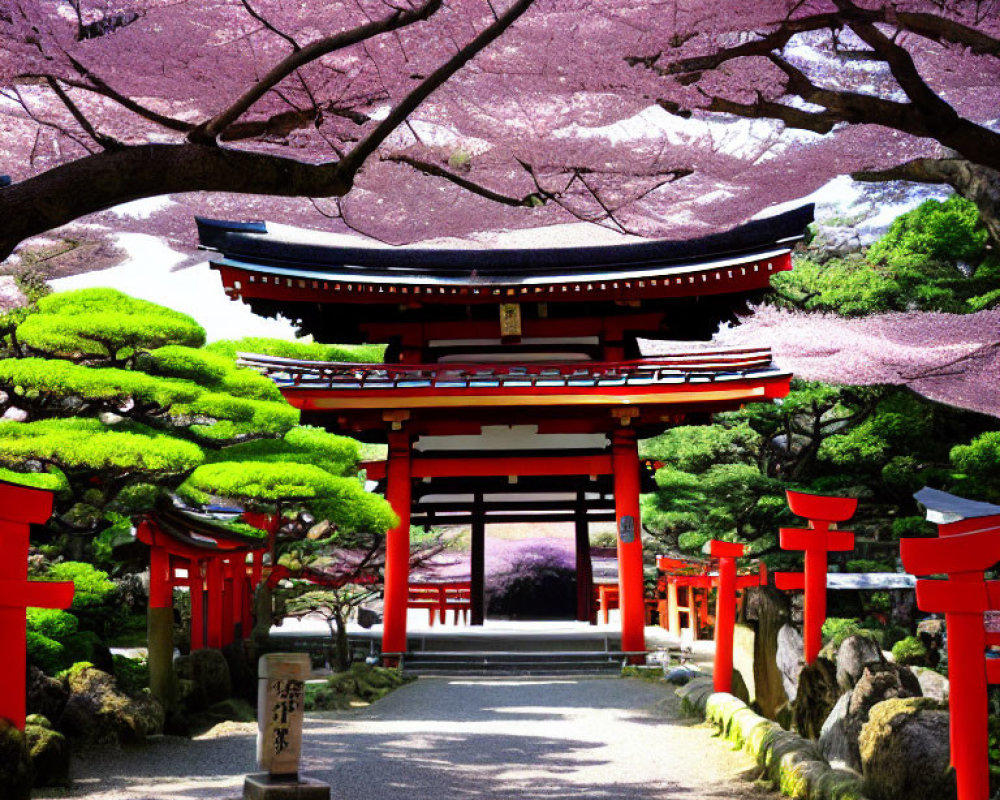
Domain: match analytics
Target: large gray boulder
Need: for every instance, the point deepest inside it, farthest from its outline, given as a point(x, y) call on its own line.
point(833, 735)
point(904, 751)
point(97, 711)
point(876, 685)
point(854, 654)
point(816, 697)
point(790, 659)
point(932, 684)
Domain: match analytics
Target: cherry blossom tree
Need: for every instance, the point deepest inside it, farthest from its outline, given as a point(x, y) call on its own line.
point(413, 119)
point(914, 83)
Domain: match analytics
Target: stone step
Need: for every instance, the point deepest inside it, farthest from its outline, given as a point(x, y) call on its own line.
point(511, 662)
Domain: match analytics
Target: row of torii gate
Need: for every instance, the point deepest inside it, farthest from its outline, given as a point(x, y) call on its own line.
point(231, 566)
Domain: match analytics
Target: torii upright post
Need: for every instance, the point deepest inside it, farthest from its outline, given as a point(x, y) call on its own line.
point(725, 612)
point(819, 539)
point(964, 551)
point(19, 508)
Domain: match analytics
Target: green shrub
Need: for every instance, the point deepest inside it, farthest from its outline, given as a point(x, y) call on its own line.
point(836, 629)
point(53, 623)
point(910, 652)
point(132, 674)
point(45, 653)
point(94, 601)
point(361, 683)
point(868, 565)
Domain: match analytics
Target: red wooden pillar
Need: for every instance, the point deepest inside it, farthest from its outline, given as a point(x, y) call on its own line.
point(397, 551)
point(228, 615)
point(19, 507)
point(964, 551)
point(631, 602)
point(196, 589)
point(213, 570)
point(238, 565)
point(725, 612)
point(817, 541)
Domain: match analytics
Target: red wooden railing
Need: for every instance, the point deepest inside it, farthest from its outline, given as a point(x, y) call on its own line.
point(683, 367)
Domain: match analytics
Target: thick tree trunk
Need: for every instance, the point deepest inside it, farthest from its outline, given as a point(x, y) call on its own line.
point(973, 181)
point(100, 181)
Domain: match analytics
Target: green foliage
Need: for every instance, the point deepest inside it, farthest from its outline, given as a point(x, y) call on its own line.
point(94, 600)
point(948, 231)
point(54, 481)
point(868, 565)
point(978, 466)
point(209, 369)
point(104, 324)
point(308, 445)
point(306, 351)
point(89, 444)
point(45, 653)
point(360, 684)
point(131, 674)
point(93, 587)
point(933, 258)
point(836, 629)
point(695, 448)
point(912, 526)
point(341, 500)
point(53, 623)
point(910, 652)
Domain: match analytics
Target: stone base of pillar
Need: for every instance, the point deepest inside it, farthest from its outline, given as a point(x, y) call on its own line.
point(160, 638)
point(261, 786)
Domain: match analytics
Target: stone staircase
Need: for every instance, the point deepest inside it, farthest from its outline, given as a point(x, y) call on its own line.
point(518, 655)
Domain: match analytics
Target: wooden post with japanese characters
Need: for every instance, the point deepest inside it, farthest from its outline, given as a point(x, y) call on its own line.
point(280, 707)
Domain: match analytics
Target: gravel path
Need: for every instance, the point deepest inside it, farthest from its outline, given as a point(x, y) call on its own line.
point(484, 739)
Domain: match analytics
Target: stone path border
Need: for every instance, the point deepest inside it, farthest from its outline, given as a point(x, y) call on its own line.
point(792, 764)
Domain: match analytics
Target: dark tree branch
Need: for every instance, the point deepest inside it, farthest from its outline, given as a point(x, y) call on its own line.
point(105, 141)
point(353, 161)
point(528, 201)
point(208, 131)
point(270, 25)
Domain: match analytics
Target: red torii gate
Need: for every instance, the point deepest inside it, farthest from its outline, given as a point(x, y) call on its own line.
point(964, 551)
point(21, 506)
point(728, 583)
point(820, 538)
point(213, 559)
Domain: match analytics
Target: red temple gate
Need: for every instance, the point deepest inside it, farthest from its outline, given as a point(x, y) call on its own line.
point(212, 563)
point(20, 507)
point(515, 385)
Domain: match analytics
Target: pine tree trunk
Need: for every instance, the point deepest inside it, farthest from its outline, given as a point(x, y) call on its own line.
point(342, 653)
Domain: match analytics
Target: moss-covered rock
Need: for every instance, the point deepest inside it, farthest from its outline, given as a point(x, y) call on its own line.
point(792, 764)
point(16, 773)
point(49, 752)
point(905, 752)
point(46, 695)
point(208, 673)
point(360, 683)
point(817, 695)
point(876, 685)
point(97, 711)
